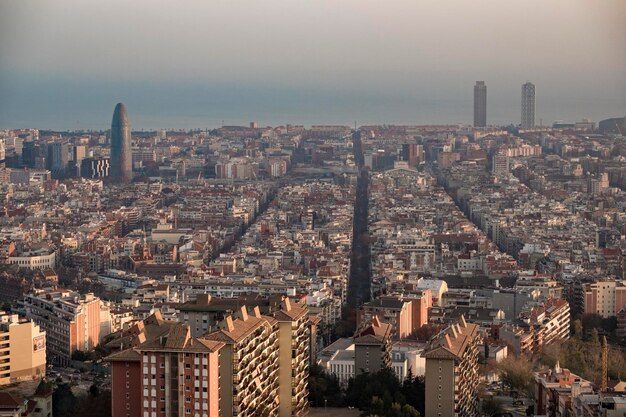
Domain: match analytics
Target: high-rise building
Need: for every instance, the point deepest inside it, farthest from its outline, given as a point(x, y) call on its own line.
point(528, 105)
point(254, 365)
point(22, 349)
point(412, 153)
point(94, 167)
point(452, 372)
point(500, 164)
point(58, 153)
point(294, 337)
point(480, 104)
point(30, 151)
point(121, 151)
point(249, 371)
point(605, 298)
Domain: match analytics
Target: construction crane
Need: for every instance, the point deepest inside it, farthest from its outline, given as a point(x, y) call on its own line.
point(605, 366)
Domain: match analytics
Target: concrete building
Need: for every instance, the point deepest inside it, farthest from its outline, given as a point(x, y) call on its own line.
point(452, 372)
point(405, 315)
point(500, 165)
point(121, 154)
point(605, 298)
point(205, 312)
point(71, 321)
point(95, 167)
point(177, 373)
point(372, 347)
point(58, 157)
point(480, 104)
point(528, 105)
point(294, 338)
point(555, 389)
point(249, 364)
point(254, 364)
point(36, 259)
point(22, 349)
point(615, 125)
point(159, 369)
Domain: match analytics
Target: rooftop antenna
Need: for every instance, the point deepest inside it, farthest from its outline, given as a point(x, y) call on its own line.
point(605, 366)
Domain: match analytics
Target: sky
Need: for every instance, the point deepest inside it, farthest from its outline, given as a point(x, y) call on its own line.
point(64, 64)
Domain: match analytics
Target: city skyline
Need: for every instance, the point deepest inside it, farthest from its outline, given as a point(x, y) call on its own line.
point(298, 73)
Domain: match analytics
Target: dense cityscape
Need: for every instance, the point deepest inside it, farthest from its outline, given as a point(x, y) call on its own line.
point(440, 270)
point(333, 208)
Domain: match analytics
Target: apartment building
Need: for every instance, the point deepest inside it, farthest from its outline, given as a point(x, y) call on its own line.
point(36, 259)
point(249, 364)
point(606, 297)
point(372, 347)
point(205, 312)
point(22, 349)
point(405, 315)
point(555, 389)
point(71, 321)
point(253, 364)
point(166, 373)
point(452, 372)
point(294, 336)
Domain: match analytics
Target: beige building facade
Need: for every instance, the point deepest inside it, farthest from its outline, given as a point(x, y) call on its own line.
point(22, 349)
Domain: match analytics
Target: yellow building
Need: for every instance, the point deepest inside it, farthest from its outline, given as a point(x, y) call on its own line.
point(22, 349)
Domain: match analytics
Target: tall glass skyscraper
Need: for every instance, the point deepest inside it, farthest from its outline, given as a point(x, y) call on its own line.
point(528, 105)
point(121, 153)
point(480, 104)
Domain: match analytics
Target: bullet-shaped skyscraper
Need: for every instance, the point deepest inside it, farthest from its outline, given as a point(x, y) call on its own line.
point(121, 153)
point(528, 105)
point(480, 104)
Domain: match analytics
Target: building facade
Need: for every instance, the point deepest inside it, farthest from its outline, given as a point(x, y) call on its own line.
point(452, 372)
point(480, 104)
point(22, 349)
point(528, 105)
point(71, 321)
point(121, 154)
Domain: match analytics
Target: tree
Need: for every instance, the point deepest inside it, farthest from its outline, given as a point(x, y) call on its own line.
point(516, 373)
point(491, 407)
point(578, 330)
point(63, 401)
point(324, 388)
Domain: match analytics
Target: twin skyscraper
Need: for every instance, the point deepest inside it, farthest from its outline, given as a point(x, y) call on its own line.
point(528, 105)
point(121, 151)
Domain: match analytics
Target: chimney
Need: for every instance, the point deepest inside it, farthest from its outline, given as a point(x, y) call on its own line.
point(463, 322)
point(257, 312)
point(287, 304)
point(454, 333)
point(244, 313)
point(448, 341)
point(229, 324)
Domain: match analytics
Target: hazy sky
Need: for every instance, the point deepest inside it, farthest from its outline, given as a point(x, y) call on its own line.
point(193, 63)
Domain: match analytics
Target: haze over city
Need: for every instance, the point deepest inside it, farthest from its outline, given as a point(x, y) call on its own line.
point(270, 208)
point(63, 64)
